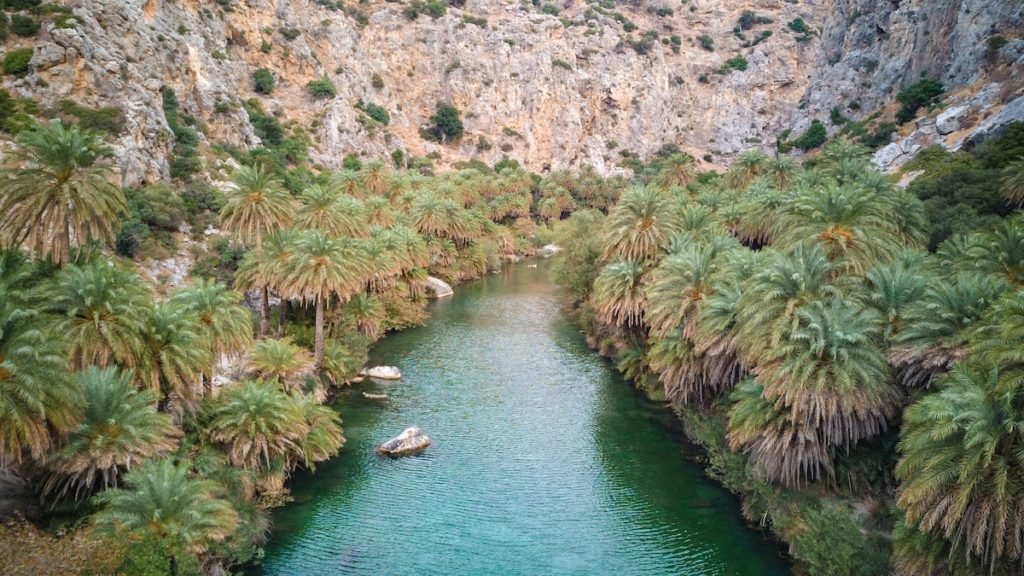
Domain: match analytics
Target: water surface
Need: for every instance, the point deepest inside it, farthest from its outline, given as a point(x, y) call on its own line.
point(544, 461)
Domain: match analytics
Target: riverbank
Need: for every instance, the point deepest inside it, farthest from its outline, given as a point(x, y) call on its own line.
point(543, 460)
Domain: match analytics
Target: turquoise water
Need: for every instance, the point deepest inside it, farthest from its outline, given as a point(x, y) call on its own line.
point(544, 461)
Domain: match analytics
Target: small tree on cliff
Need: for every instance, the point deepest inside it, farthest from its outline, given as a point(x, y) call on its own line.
point(445, 124)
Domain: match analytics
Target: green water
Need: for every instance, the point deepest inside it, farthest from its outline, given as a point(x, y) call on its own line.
point(544, 461)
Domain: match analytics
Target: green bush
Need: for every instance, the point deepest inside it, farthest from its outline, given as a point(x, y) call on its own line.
point(14, 5)
point(836, 117)
point(377, 112)
point(263, 81)
point(445, 124)
point(734, 63)
point(814, 136)
point(924, 92)
point(799, 26)
point(290, 33)
point(266, 126)
point(107, 119)
point(830, 542)
point(322, 88)
point(398, 157)
point(706, 42)
point(24, 26)
point(376, 81)
point(16, 61)
point(432, 8)
point(351, 162)
point(993, 45)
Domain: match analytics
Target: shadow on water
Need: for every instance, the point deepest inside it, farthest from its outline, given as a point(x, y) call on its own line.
point(544, 461)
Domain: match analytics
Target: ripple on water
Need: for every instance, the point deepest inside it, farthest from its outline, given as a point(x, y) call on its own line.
point(543, 462)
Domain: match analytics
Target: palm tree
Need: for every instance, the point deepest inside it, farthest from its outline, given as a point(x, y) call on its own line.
point(257, 207)
point(61, 197)
point(640, 225)
point(260, 426)
point(320, 268)
point(326, 209)
point(832, 375)
point(279, 360)
point(678, 170)
point(999, 251)
point(376, 178)
point(225, 324)
point(119, 430)
point(892, 287)
point(781, 171)
point(778, 448)
point(678, 285)
point(618, 294)
point(324, 435)
point(1013, 182)
point(174, 355)
point(767, 307)
point(343, 360)
point(935, 329)
point(748, 166)
point(366, 314)
point(103, 310)
point(850, 223)
point(162, 504)
point(38, 399)
point(962, 465)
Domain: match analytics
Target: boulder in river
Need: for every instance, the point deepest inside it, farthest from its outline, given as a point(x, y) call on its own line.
point(382, 373)
point(438, 288)
point(411, 441)
point(549, 250)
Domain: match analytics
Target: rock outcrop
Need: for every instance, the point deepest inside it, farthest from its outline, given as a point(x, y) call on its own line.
point(411, 441)
point(588, 85)
point(438, 288)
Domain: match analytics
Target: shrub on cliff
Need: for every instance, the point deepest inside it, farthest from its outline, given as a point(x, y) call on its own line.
point(322, 88)
point(263, 81)
point(921, 93)
point(445, 124)
point(814, 136)
point(16, 61)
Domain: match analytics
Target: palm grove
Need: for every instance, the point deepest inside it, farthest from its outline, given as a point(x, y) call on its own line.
point(844, 380)
point(116, 395)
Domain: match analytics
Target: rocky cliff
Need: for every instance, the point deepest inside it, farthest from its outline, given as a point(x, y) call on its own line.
point(553, 85)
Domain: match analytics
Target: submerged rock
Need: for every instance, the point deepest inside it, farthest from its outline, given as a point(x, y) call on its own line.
point(382, 373)
point(438, 288)
point(411, 441)
point(375, 396)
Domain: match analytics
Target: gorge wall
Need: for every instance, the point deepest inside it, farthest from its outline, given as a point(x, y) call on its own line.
point(555, 85)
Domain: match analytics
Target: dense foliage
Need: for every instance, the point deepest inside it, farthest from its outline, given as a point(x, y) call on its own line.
point(824, 358)
point(169, 414)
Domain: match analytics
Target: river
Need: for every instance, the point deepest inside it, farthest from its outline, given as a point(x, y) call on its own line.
point(544, 461)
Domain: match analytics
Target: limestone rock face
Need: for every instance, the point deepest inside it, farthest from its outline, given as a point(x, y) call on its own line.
point(409, 442)
point(551, 92)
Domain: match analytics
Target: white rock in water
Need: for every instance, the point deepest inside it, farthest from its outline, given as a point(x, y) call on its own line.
point(382, 373)
point(549, 250)
point(375, 396)
point(411, 441)
point(438, 288)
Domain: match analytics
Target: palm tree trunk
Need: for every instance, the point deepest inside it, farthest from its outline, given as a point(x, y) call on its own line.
point(173, 568)
point(264, 312)
point(282, 316)
point(318, 349)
